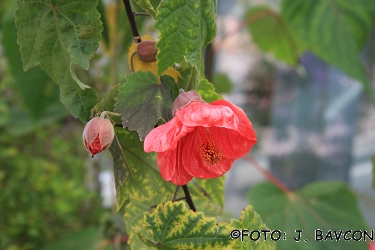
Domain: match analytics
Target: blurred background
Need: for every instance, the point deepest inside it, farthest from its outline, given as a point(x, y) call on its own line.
point(312, 121)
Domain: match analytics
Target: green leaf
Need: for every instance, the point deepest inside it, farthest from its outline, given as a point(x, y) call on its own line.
point(71, 26)
point(270, 33)
point(55, 36)
point(190, 77)
point(35, 87)
point(222, 83)
point(251, 220)
point(108, 101)
point(320, 205)
point(146, 6)
point(214, 188)
point(142, 101)
point(78, 101)
point(186, 28)
point(207, 91)
point(120, 171)
point(174, 226)
point(334, 30)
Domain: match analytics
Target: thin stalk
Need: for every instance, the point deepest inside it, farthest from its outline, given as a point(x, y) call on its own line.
point(176, 193)
point(267, 174)
point(189, 201)
point(130, 14)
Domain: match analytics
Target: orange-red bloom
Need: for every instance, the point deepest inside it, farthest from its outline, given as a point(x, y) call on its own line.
point(98, 135)
point(202, 140)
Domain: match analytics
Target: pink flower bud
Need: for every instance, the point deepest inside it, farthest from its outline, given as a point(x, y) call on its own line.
point(98, 135)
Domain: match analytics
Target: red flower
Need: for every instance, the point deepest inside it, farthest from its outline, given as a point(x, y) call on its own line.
point(98, 135)
point(202, 140)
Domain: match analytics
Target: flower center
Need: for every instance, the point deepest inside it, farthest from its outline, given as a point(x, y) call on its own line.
point(209, 151)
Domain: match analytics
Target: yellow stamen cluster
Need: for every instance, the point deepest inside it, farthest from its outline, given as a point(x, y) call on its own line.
point(210, 152)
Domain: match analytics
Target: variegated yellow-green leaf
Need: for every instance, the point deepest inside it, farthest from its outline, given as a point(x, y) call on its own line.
point(214, 188)
point(174, 226)
point(144, 178)
point(136, 208)
point(134, 214)
point(120, 171)
point(250, 220)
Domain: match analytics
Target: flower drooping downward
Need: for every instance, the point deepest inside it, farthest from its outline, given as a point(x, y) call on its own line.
point(202, 140)
point(98, 135)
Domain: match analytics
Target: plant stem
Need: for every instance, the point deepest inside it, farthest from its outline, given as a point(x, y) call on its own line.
point(176, 193)
point(130, 14)
point(140, 14)
point(188, 198)
point(267, 174)
point(107, 113)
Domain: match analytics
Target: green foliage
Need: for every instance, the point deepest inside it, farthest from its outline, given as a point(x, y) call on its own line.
point(207, 91)
point(34, 86)
point(85, 239)
point(173, 226)
point(321, 205)
point(222, 83)
point(142, 101)
point(333, 30)
point(190, 77)
point(270, 33)
point(186, 28)
point(42, 193)
point(55, 36)
point(251, 220)
point(107, 103)
point(146, 6)
point(59, 35)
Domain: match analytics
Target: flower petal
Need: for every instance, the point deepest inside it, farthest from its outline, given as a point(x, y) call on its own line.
point(171, 166)
point(207, 115)
point(166, 136)
point(230, 142)
point(245, 127)
point(193, 163)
